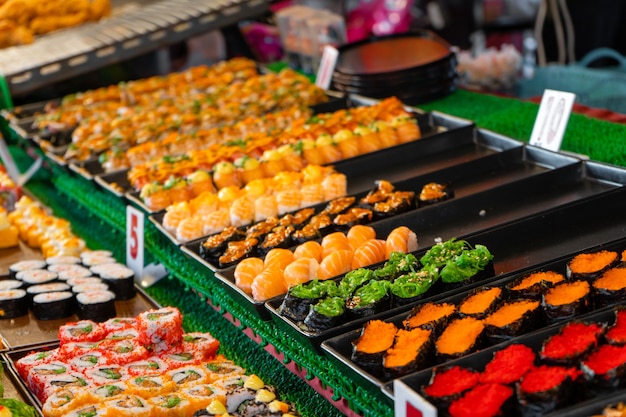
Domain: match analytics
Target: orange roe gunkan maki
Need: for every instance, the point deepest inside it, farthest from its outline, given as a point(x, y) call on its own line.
point(610, 287)
point(460, 337)
point(567, 300)
point(409, 353)
point(508, 365)
point(534, 284)
point(485, 400)
point(546, 388)
point(480, 302)
point(433, 316)
point(591, 265)
point(512, 319)
point(605, 367)
point(571, 343)
point(375, 340)
point(616, 334)
point(448, 384)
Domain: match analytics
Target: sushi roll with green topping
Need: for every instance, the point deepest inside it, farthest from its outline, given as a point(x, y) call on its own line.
point(325, 314)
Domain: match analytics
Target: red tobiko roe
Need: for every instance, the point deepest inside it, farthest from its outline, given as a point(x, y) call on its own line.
point(544, 378)
point(617, 332)
point(573, 339)
point(508, 365)
point(451, 381)
point(484, 400)
point(605, 358)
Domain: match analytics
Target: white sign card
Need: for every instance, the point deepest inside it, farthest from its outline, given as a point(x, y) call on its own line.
point(408, 403)
point(552, 119)
point(135, 240)
point(327, 67)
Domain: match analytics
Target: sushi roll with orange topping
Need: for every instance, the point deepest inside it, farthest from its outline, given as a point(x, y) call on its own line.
point(460, 337)
point(481, 302)
point(567, 300)
point(610, 287)
point(352, 217)
point(591, 265)
point(534, 284)
point(411, 351)
point(214, 245)
point(434, 316)
point(368, 350)
point(512, 319)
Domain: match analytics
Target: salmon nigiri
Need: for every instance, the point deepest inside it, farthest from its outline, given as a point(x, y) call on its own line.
point(216, 221)
point(359, 234)
point(335, 186)
point(265, 207)
point(190, 228)
point(246, 271)
point(241, 212)
point(310, 249)
point(301, 270)
point(337, 263)
point(334, 241)
point(175, 214)
point(370, 252)
point(401, 239)
point(269, 283)
point(278, 257)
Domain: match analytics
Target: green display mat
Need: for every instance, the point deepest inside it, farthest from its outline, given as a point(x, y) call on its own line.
point(100, 218)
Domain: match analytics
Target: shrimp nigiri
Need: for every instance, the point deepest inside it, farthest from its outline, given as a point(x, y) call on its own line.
point(216, 221)
point(335, 186)
point(241, 212)
point(301, 270)
point(401, 239)
point(265, 207)
point(310, 249)
point(190, 228)
point(246, 271)
point(174, 214)
point(359, 234)
point(267, 284)
point(337, 263)
point(370, 252)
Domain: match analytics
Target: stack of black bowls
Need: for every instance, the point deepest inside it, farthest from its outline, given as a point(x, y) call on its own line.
point(416, 67)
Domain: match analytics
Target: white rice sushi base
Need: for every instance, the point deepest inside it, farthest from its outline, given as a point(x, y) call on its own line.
point(88, 288)
point(63, 259)
point(10, 284)
point(12, 294)
point(36, 276)
point(52, 287)
point(26, 265)
point(51, 297)
point(95, 297)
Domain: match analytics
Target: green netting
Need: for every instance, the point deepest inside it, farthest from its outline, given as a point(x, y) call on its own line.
point(99, 218)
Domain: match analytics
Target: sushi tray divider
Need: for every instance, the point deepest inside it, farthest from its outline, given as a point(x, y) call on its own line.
point(87, 169)
point(592, 407)
point(562, 224)
point(339, 348)
point(114, 182)
point(534, 340)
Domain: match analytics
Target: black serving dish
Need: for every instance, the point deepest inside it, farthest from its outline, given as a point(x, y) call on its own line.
point(339, 348)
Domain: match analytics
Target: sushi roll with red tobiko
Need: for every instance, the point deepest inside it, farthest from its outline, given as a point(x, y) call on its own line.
point(616, 334)
point(573, 342)
point(203, 343)
point(160, 328)
point(448, 384)
point(605, 367)
point(485, 400)
point(546, 388)
point(80, 331)
point(508, 365)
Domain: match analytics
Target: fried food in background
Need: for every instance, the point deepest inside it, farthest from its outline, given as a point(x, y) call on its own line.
point(22, 20)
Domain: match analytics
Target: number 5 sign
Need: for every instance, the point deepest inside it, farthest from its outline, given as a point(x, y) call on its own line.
point(134, 240)
point(408, 403)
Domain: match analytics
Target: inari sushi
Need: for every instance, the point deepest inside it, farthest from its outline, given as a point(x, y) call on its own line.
point(534, 284)
point(508, 365)
point(546, 388)
point(376, 338)
point(434, 316)
point(460, 337)
point(480, 302)
point(610, 287)
point(448, 384)
point(485, 400)
point(571, 344)
point(410, 352)
point(605, 367)
point(591, 265)
point(512, 319)
point(567, 300)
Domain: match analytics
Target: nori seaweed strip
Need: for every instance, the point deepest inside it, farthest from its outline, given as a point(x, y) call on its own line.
point(325, 314)
point(298, 300)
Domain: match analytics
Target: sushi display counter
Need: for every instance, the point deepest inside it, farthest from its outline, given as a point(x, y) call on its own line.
point(530, 207)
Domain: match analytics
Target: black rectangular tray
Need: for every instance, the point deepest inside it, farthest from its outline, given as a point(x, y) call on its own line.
point(533, 340)
point(339, 348)
point(516, 246)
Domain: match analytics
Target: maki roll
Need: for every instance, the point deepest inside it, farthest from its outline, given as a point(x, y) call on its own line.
point(53, 305)
point(202, 343)
point(480, 302)
point(369, 299)
point(160, 325)
point(325, 314)
point(508, 365)
point(546, 388)
point(410, 287)
point(398, 264)
point(98, 306)
point(448, 384)
point(432, 316)
point(534, 284)
point(108, 373)
point(604, 368)
point(567, 300)
point(80, 288)
point(396, 203)
point(215, 245)
point(10, 284)
point(376, 338)
point(63, 259)
point(66, 272)
point(616, 334)
point(149, 366)
point(279, 237)
point(36, 277)
point(460, 337)
point(80, 331)
point(25, 266)
point(236, 251)
point(573, 342)
point(591, 265)
point(300, 298)
point(433, 192)
point(353, 217)
point(379, 193)
point(485, 400)
point(172, 404)
point(13, 303)
point(512, 319)
point(120, 279)
point(339, 205)
point(410, 352)
point(128, 405)
point(610, 287)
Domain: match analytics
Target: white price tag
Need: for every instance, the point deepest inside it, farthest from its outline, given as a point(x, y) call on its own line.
point(134, 240)
point(408, 403)
point(327, 66)
point(552, 119)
